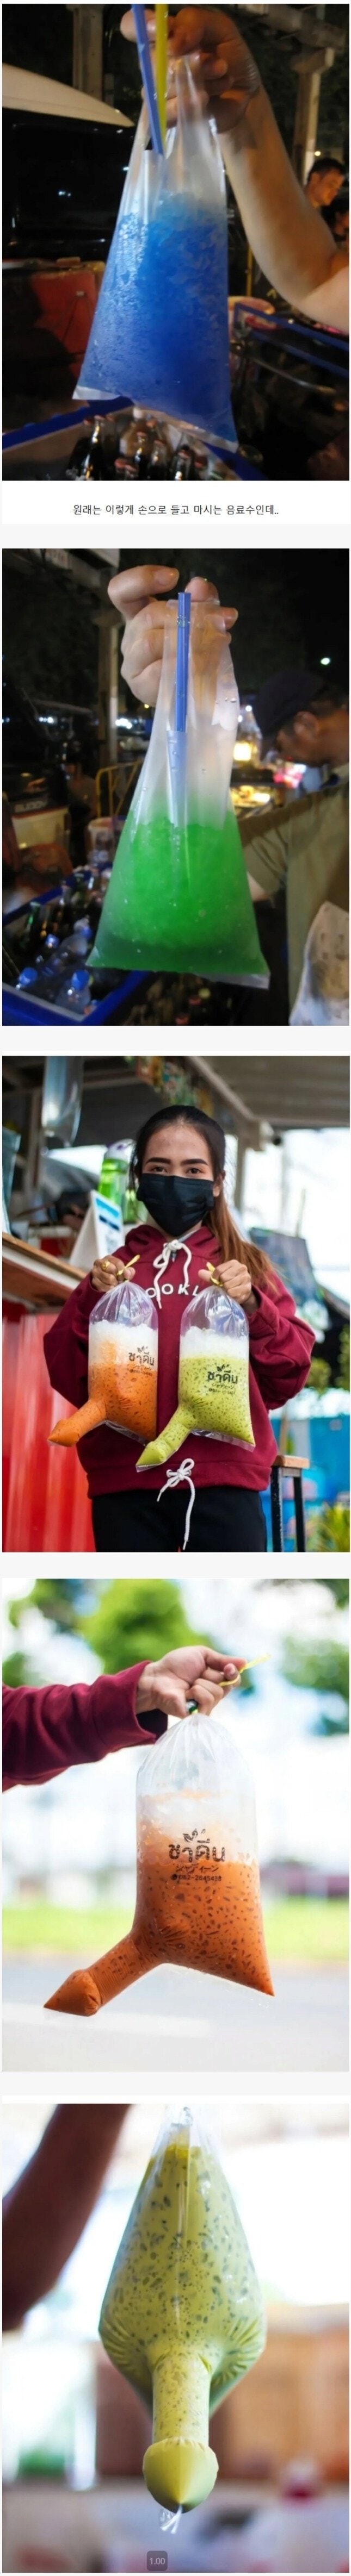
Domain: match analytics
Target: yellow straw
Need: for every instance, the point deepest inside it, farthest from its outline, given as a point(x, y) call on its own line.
point(228, 1685)
point(248, 1668)
point(125, 1266)
point(245, 1668)
point(161, 64)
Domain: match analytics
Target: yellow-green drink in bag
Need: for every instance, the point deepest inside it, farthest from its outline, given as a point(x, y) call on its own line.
point(213, 1378)
point(182, 2316)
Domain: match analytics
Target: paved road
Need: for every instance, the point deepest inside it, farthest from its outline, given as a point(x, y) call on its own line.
point(180, 2021)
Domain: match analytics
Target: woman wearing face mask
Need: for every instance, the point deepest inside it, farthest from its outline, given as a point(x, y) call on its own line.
point(177, 1169)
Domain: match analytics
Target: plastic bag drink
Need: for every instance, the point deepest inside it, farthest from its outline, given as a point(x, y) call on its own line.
point(213, 1381)
point(179, 898)
point(185, 892)
point(160, 331)
point(182, 2316)
point(122, 1368)
point(198, 1900)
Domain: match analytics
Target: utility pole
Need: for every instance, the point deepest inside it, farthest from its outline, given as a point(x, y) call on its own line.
point(88, 51)
point(309, 77)
point(108, 634)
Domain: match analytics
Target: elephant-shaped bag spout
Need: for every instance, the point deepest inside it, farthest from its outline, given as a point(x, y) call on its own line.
point(198, 1900)
point(122, 1368)
point(182, 2315)
point(213, 1380)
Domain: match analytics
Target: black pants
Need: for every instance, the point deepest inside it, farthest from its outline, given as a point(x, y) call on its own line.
point(223, 1517)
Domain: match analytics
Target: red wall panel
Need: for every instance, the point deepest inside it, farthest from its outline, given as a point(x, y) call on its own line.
point(45, 1501)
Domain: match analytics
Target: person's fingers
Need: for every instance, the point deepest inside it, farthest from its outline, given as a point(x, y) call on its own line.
point(130, 589)
point(219, 1665)
point(144, 638)
point(207, 1697)
point(192, 1660)
point(170, 1696)
point(193, 30)
point(127, 27)
point(142, 652)
point(200, 589)
point(146, 684)
point(104, 1274)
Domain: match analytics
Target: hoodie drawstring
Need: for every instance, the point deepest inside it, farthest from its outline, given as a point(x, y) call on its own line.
point(159, 1267)
point(183, 1475)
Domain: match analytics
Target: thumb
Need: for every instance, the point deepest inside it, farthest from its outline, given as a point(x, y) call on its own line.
point(202, 589)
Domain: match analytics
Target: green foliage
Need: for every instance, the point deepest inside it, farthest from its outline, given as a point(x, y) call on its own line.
point(330, 1726)
point(343, 1378)
point(331, 1529)
point(309, 1929)
point(14, 1670)
point(60, 1601)
point(136, 1621)
point(319, 1376)
point(71, 1929)
point(340, 1589)
point(320, 1667)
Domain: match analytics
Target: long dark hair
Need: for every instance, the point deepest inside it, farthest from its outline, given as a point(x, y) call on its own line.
point(233, 1246)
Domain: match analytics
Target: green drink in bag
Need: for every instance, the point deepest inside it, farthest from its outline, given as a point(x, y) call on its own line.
point(213, 1377)
point(179, 898)
point(182, 2316)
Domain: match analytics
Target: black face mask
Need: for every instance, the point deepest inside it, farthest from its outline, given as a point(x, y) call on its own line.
point(175, 1204)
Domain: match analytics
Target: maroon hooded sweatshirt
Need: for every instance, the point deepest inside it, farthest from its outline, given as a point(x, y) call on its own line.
point(280, 1354)
point(46, 1731)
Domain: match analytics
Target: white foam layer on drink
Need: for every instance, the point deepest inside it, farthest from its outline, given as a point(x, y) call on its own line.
point(123, 1342)
point(208, 1345)
point(203, 1817)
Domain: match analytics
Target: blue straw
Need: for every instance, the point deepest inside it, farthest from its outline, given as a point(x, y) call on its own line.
point(147, 76)
point(182, 662)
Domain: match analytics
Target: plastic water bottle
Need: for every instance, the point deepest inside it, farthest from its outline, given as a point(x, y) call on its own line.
point(27, 982)
point(74, 994)
point(77, 946)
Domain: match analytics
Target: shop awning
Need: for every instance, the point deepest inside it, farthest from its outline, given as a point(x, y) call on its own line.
point(27, 91)
point(290, 1091)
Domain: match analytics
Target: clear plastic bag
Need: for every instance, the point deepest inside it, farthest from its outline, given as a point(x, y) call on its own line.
point(122, 1368)
point(198, 1900)
point(213, 1380)
point(178, 898)
point(183, 2314)
point(160, 332)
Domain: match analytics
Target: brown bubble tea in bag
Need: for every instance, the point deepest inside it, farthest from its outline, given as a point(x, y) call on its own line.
point(198, 1901)
point(122, 1369)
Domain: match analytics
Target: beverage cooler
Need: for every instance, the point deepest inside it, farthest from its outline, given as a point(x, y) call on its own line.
point(45, 1503)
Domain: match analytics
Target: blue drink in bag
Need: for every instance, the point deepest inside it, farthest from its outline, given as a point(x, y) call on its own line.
point(179, 899)
point(160, 332)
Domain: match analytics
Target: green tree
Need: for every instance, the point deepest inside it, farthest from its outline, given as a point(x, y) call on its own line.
point(331, 1529)
point(137, 1620)
point(123, 1622)
point(319, 1376)
point(62, 1602)
point(339, 1587)
point(14, 1670)
point(320, 1666)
